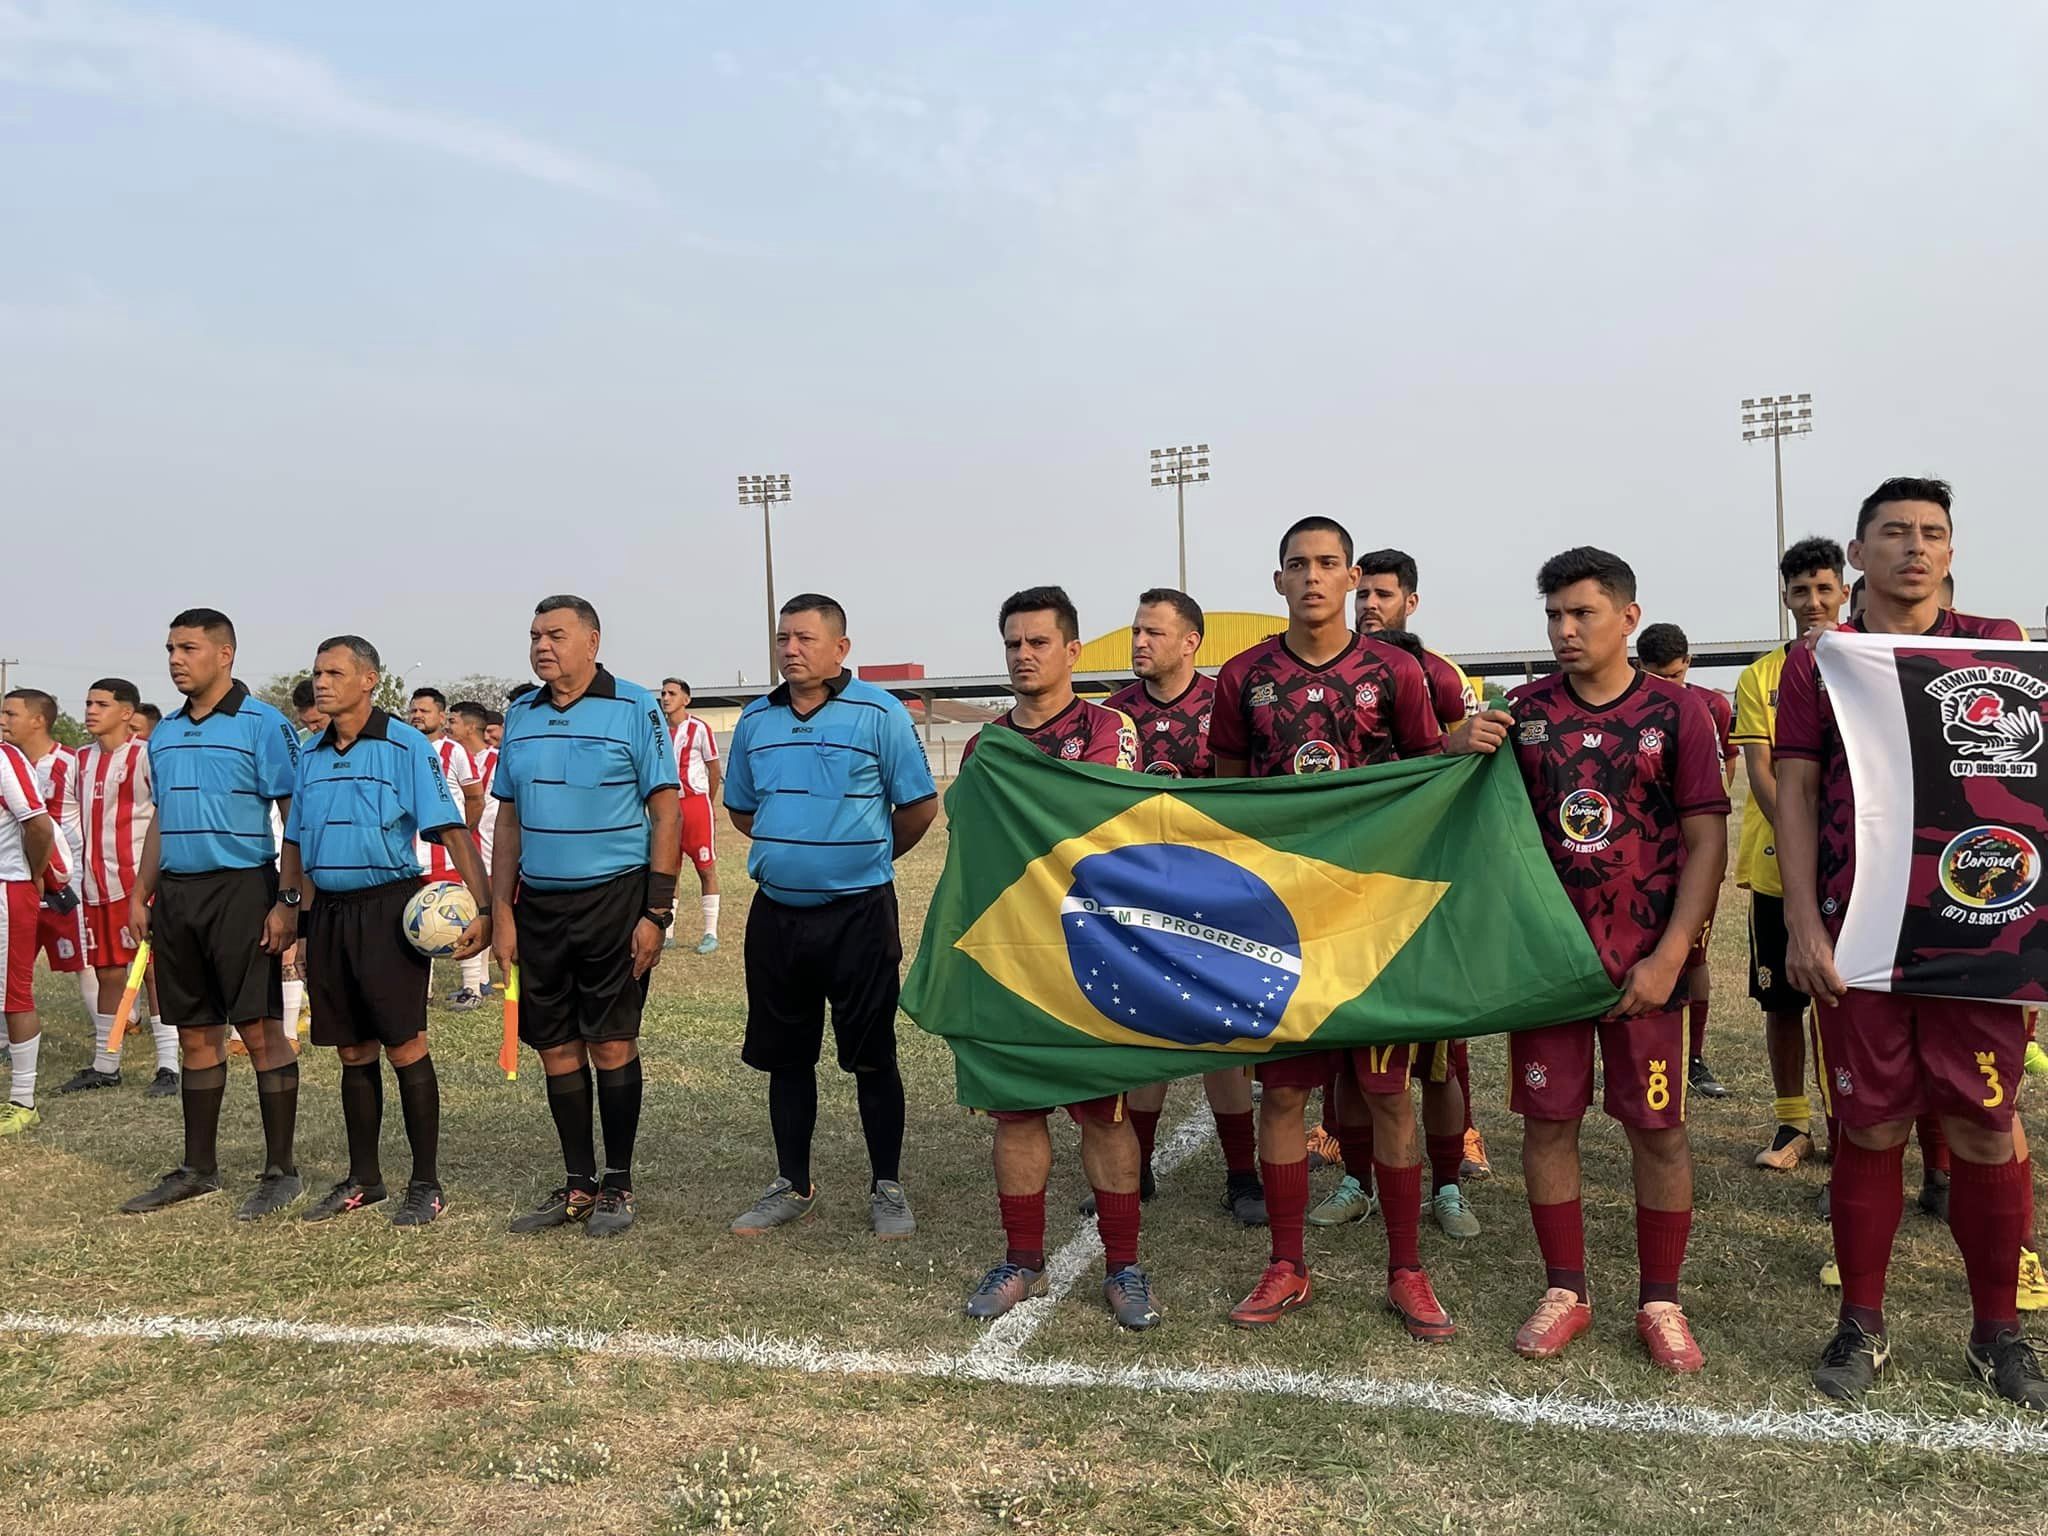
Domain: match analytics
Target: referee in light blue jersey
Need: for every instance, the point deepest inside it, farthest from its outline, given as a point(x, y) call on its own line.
point(367, 786)
point(827, 777)
point(583, 884)
point(207, 901)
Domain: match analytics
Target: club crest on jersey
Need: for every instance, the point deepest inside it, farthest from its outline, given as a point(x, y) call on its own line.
point(1366, 696)
point(1763, 978)
point(1536, 1074)
point(1071, 749)
point(1262, 695)
point(1317, 757)
point(1586, 817)
point(1202, 724)
point(1844, 1084)
point(1652, 740)
point(1992, 716)
point(1533, 733)
point(1988, 872)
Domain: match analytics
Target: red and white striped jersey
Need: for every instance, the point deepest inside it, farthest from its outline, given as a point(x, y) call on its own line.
point(21, 800)
point(695, 746)
point(487, 823)
point(57, 778)
point(460, 770)
point(116, 807)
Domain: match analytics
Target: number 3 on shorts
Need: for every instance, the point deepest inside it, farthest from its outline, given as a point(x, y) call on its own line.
point(1987, 1063)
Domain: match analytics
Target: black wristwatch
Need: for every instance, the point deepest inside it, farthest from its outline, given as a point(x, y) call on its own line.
point(291, 898)
point(659, 919)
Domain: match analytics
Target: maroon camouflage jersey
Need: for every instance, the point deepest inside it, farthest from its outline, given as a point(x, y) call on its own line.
point(1807, 731)
point(1610, 786)
point(1447, 696)
point(1080, 733)
point(1724, 719)
point(1173, 738)
point(1367, 704)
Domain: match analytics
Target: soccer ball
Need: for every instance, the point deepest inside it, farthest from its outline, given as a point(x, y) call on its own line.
point(435, 917)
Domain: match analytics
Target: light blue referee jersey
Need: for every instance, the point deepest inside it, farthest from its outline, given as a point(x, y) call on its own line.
point(356, 809)
point(579, 779)
point(214, 778)
point(822, 788)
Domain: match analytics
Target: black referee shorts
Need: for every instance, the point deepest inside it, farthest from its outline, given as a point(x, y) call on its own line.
point(576, 962)
point(206, 932)
point(367, 982)
point(798, 959)
point(1767, 943)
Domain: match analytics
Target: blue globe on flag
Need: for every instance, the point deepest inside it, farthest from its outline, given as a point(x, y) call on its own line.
point(1180, 944)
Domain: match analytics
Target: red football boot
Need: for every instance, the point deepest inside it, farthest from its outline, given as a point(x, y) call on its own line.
point(1410, 1298)
point(1281, 1289)
point(1558, 1319)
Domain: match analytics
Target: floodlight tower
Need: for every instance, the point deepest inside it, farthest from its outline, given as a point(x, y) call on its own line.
point(1180, 468)
point(764, 491)
point(1778, 417)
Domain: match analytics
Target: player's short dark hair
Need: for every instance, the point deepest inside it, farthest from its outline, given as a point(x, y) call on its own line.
point(124, 692)
point(470, 709)
point(1585, 563)
point(1401, 639)
point(302, 693)
point(150, 713)
point(497, 716)
point(1317, 525)
point(817, 602)
point(362, 650)
point(1189, 610)
point(212, 620)
point(519, 691)
point(1810, 555)
point(580, 606)
point(1906, 488)
point(1397, 563)
point(38, 701)
point(435, 694)
point(1661, 644)
point(1053, 600)
point(679, 683)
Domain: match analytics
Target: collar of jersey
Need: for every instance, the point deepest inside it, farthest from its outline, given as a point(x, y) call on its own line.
point(835, 685)
point(376, 728)
point(602, 686)
point(230, 703)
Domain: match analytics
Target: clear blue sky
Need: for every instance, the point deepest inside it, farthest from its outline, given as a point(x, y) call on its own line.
point(390, 318)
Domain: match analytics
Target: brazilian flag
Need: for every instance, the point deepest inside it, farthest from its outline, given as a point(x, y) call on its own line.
point(1095, 929)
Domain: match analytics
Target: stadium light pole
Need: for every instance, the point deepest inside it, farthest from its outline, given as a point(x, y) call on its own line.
point(764, 491)
point(1180, 468)
point(1778, 417)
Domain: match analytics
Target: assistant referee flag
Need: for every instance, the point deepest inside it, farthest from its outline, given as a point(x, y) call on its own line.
point(1093, 931)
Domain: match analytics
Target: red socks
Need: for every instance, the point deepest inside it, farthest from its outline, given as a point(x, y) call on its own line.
point(1116, 1218)
point(1287, 1209)
point(1401, 1210)
point(1865, 1207)
point(1933, 1145)
point(1561, 1236)
point(1446, 1157)
point(1696, 1028)
point(1146, 1123)
point(1240, 1140)
point(1356, 1141)
point(1024, 1228)
point(1660, 1252)
point(1987, 1204)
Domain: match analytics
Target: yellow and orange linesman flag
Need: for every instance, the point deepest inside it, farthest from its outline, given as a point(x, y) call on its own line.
point(508, 1048)
point(136, 974)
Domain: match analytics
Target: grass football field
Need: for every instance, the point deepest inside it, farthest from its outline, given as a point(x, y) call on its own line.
point(184, 1373)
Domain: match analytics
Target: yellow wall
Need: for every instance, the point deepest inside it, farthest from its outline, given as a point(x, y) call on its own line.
point(1227, 634)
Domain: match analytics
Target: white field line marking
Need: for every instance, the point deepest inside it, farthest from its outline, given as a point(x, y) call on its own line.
point(1006, 1337)
point(1998, 1432)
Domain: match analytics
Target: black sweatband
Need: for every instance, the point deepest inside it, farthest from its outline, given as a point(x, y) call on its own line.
point(661, 890)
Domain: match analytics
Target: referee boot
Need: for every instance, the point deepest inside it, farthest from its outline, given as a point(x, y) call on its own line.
point(612, 1214)
point(88, 1078)
point(174, 1188)
point(273, 1192)
point(558, 1210)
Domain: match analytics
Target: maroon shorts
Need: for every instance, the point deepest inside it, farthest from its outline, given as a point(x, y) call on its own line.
point(1550, 1070)
point(61, 936)
point(1374, 1068)
point(1106, 1111)
point(695, 812)
point(108, 939)
point(1888, 1056)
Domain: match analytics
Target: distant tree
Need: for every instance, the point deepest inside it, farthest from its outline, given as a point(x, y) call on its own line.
point(480, 688)
point(69, 732)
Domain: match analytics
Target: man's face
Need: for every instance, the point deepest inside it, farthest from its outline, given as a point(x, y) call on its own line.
point(494, 734)
point(1672, 671)
point(106, 715)
point(18, 722)
point(1589, 630)
point(809, 647)
point(674, 702)
point(342, 683)
point(1383, 603)
point(197, 660)
point(1162, 642)
point(426, 716)
point(313, 718)
point(1315, 576)
point(1039, 659)
point(467, 730)
point(561, 645)
point(1815, 599)
point(1904, 550)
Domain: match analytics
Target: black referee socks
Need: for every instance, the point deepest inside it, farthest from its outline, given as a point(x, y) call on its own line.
point(419, 1098)
point(618, 1101)
point(200, 1090)
point(277, 1095)
point(570, 1103)
point(362, 1112)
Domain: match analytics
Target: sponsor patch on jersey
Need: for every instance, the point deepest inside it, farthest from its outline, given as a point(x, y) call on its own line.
point(1262, 696)
point(1533, 733)
point(1586, 817)
point(1317, 757)
point(1988, 873)
point(1163, 769)
point(1992, 716)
